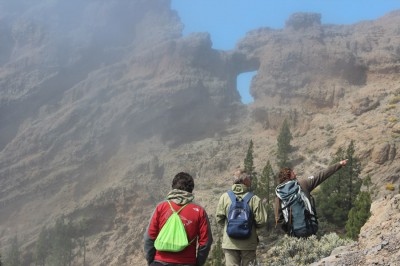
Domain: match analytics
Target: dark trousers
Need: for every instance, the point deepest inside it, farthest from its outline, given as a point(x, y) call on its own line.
point(159, 263)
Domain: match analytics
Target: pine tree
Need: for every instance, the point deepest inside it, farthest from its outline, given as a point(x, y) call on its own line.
point(367, 182)
point(217, 255)
point(284, 147)
point(249, 166)
point(266, 191)
point(266, 184)
point(81, 231)
point(42, 248)
point(248, 161)
point(13, 257)
point(358, 215)
point(62, 243)
point(337, 194)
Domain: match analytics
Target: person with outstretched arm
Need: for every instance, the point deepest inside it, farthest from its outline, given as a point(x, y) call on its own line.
point(291, 188)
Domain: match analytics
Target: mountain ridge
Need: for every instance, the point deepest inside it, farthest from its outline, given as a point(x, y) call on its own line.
point(95, 123)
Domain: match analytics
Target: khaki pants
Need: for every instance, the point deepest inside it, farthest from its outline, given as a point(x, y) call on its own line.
point(240, 257)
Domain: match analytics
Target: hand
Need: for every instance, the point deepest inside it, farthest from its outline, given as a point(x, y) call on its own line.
point(343, 162)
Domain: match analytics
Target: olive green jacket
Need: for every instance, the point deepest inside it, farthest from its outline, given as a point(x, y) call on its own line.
point(259, 214)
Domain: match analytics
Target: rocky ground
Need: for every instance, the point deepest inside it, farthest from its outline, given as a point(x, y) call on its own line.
point(379, 240)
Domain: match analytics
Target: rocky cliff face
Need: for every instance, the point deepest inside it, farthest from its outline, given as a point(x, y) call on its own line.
point(102, 102)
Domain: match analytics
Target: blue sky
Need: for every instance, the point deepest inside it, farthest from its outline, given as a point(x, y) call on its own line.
point(227, 21)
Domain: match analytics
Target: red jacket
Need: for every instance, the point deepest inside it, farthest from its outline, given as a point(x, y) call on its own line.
point(196, 223)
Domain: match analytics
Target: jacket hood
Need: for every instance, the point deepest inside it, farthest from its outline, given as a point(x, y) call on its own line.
point(239, 189)
point(180, 197)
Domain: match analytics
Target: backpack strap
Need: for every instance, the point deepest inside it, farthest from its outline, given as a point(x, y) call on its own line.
point(246, 198)
point(173, 210)
point(232, 196)
point(287, 205)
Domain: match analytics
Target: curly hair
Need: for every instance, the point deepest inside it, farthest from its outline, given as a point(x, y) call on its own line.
point(284, 174)
point(183, 181)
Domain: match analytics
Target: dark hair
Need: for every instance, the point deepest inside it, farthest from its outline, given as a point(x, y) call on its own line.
point(183, 181)
point(284, 174)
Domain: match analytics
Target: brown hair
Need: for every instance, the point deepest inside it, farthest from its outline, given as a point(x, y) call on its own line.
point(284, 174)
point(240, 179)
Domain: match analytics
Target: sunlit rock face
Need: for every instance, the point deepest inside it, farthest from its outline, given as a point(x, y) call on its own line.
point(103, 101)
point(311, 62)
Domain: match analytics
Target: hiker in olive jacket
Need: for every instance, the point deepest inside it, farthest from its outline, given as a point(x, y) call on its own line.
point(307, 185)
point(240, 251)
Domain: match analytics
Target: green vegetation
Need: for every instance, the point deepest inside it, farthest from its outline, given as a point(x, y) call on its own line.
point(358, 215)
point(266, 191)
point(284, 148)
point(394, 99)
point(331, 141)
point(13, 256)
point(336, 195)
point(390, 107)
point(248, 161)
point(216, 257)
point(303, 251)
point(42, 247)
point(62, 244)
point(249, 166)
point(329, 127)
point(390, 186)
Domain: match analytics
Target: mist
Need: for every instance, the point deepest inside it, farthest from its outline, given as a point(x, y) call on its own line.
point(103, 102)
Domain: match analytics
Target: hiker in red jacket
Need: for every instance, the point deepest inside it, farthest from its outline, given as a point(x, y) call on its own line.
point(196, 224)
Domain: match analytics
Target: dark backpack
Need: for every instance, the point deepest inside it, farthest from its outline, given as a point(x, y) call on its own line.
point(240, 217)
point(299, 213)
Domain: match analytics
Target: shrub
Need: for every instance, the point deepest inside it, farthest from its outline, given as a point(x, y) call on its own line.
point(299, 251)
point(392, 119)
point(329, 127)
point(331, 141)
point(390, 107)
point(394, 100)
point(390, 187)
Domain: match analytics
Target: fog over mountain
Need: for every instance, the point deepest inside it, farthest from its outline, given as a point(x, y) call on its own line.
point(102, 102)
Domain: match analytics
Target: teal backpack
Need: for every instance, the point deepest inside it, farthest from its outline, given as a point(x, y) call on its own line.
point(172, 236)
point(299, 213)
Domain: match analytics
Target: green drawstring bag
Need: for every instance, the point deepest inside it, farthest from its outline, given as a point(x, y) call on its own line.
point(172, 237)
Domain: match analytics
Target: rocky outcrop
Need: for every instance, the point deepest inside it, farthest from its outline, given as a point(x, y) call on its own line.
point(383, 152)
point(297, 61)
point(379, 240)
point(363, 105)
